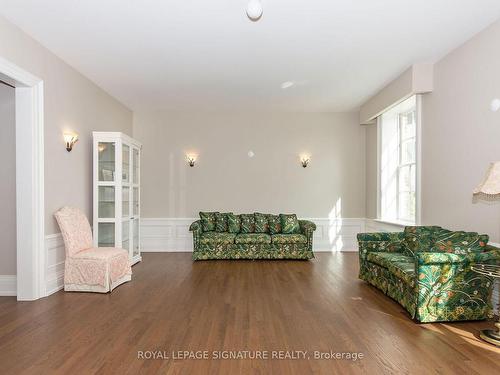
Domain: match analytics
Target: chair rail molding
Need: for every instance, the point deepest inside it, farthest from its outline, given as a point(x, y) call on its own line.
point(172, 234)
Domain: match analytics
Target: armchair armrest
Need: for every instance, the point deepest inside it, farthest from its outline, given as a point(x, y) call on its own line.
point(197, 231)
point(382, 241)
point(439, 258)
point(448, 289)
point(307, 227)
point(195, 227)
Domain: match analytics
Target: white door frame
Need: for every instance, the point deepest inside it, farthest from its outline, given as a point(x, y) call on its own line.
point(29, 182)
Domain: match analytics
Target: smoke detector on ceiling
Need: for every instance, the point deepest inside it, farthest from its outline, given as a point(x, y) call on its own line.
point(254, 10)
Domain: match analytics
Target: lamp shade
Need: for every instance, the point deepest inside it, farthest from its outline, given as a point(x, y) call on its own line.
point(490, 186)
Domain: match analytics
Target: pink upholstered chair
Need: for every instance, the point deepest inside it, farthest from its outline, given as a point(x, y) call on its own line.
point(89, 269)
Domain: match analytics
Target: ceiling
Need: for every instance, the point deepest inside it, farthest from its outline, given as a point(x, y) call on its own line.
point(207, 55)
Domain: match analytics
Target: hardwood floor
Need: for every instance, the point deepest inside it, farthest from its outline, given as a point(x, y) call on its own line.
point(173, 304)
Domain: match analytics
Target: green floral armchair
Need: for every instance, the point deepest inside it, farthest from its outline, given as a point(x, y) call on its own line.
point(428, 271)
point(251, 236)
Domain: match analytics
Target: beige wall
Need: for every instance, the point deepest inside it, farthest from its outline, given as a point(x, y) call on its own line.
point(72, 102)
point(226, 179)
point(8, 180)
point(460, 136)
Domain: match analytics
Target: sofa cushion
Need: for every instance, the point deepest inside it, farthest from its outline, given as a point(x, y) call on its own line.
point(459, 242)
point(247, 223)
point(288, 238)
point(233, 223)
point(207, 221)
point(274, 224)
point(221, 222)
point(398, 264)
point(289, 223)
point(419, 239)
point(216, 238)
point(261, 223)
point(253, 238)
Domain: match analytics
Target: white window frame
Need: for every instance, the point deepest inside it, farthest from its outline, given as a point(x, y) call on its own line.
point(418, 166)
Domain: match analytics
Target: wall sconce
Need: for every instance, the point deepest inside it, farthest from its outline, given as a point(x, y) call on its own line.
point(70, 139)
point(191, 159)
point(304, 160)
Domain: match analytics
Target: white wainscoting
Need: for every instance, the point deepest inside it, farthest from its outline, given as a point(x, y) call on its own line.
point(172, 234)
point(54, 246)
point(8, 285)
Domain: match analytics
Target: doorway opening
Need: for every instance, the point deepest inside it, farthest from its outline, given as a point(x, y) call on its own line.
point(29, 177)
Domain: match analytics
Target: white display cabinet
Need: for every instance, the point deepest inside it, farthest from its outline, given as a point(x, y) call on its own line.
point(117, 191)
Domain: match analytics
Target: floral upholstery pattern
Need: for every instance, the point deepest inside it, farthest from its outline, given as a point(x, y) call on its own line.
point(253, 251)
point(243, 245)
point(87, 268)
point(247, 223)
point(221, 222)
point(261, 223)
point(459, 242)
point(419, 238)
point(233, 223)
point(253, 238)
point(431, 286)
point(398, 264)
point(289, 223)
point(210, 238)
point(274, 224)
point(288, 238)
point(207, 221)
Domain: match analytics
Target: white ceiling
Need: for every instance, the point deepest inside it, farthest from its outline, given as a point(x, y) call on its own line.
point(204, 55)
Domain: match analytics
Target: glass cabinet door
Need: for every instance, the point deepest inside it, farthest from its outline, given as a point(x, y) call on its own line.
point(135, 236)
point(135, 166)
point(106, 235)
point(126, 163)
point(106, 161)
point(135, 202)
point(106, 202)
point(126, 235)
point(125, 201)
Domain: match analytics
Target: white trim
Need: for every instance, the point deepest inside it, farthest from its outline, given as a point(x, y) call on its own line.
point(8, 285)
point(375, 225)
point(29, 182)
point(172, 234)
point(55, 255)
point(418, 156)
point(395, 223)
point(379, 148)
point(418, 161)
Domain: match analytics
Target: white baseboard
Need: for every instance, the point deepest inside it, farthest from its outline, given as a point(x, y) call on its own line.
point(172, 234)
point(54, 246)
point(8, 285)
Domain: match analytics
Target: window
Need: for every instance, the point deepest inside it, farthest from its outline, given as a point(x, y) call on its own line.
point(397, 175)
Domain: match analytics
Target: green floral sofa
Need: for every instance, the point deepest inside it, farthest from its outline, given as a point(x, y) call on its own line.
point(251, 236)
point(427, 269)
